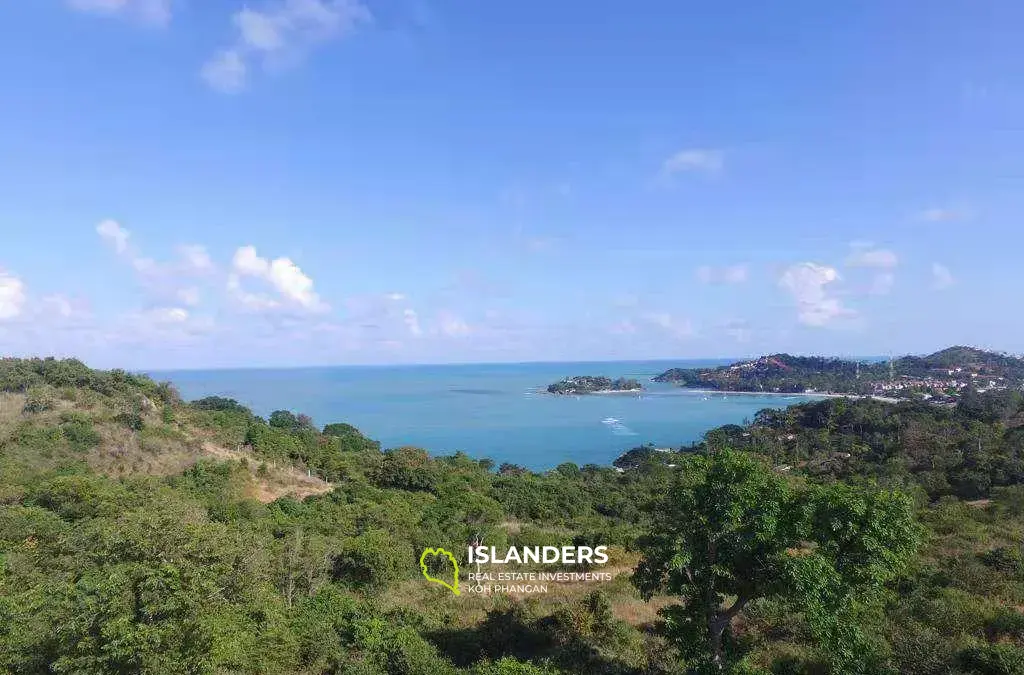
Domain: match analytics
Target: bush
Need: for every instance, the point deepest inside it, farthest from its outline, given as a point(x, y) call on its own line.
point(132, 420)
point(1001, 659)
point(373, 560)
point(1006, 559)
point(406, 469)
point(80, 434)
point(217, 403)
point(39, 399)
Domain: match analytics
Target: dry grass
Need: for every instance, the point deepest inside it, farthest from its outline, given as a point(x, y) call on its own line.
point(640, 613)
point(279, 481)
point(469, 609)
point(10, 408)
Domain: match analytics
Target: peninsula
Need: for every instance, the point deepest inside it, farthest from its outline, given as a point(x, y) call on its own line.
point(942, 376)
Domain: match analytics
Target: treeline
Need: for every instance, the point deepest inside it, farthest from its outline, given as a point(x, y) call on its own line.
point(969, 451)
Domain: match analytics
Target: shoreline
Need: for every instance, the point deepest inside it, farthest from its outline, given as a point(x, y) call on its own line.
point(816, 394)
point(591, 393)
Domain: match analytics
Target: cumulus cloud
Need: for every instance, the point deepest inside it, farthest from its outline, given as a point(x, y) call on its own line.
point(164, 282)
point(694, 160)
point(808, 284)
point(149, 11)
point(12, 295)
point(196, 257)
point(112, 231)
point(942, 278)
point(292, 285)
point(732, 274)
point(281, 32)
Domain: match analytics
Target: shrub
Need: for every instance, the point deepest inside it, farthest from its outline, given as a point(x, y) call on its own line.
point(80, 434)
point(372, 560)
point(1006, 559)
point(132, 420)
point(1001, 659)
point(39, 399)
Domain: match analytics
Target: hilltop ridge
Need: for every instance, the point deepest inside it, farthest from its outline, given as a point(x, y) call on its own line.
point(942, 375)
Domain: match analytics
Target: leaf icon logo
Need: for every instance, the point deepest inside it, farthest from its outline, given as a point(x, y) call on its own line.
point(453, 587)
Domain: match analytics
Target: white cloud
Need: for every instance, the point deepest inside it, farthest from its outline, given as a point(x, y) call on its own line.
point(149, 11)
point(395, 297)
point(282, 32)
point(624, 327)
point(808, 284)
point(12, 295)
point(226, 72)
point(294, 286)
point(112, 231)
point(943, 214)
point(873, 257)
point(59, 306)
point(196, 257)
point(732, 274)
point(189, 296)
point(452, 325)
point(942, 278)
point(164, 282)
point(164, 315)
point(412, 322)
point(694, 159)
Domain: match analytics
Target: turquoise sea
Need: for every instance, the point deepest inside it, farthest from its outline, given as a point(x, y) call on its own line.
point(488, 410)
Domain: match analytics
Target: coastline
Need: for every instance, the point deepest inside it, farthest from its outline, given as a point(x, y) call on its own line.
point(592, 393)
point(816, 394)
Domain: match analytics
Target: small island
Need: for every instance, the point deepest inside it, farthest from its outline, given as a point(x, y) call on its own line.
point(591, 384)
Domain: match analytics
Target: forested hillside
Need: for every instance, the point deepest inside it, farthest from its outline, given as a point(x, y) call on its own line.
point(945, 374)
point(143, 534)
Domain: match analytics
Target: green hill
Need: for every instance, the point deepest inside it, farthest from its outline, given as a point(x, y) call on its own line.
point(140, 533)
point(944, 373)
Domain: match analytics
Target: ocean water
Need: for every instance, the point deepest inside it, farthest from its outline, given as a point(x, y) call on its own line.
point(492, 410)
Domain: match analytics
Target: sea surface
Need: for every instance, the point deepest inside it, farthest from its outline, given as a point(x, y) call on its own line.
point(488, 410)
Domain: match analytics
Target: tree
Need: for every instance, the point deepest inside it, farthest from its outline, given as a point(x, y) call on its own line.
point(283, 419)
point(731, 531)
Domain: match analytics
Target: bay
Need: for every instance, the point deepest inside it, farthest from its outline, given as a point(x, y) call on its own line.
point(498, 411)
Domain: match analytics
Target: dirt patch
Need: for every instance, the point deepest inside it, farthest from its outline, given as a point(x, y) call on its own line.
point(279, 481)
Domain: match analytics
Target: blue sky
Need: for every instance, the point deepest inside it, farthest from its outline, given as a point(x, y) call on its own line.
point(290, 182)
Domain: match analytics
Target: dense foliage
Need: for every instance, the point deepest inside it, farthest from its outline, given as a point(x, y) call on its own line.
point(792, 374)
point(142, 534)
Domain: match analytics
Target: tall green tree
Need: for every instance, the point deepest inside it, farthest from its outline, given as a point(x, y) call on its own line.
point(731, 531)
